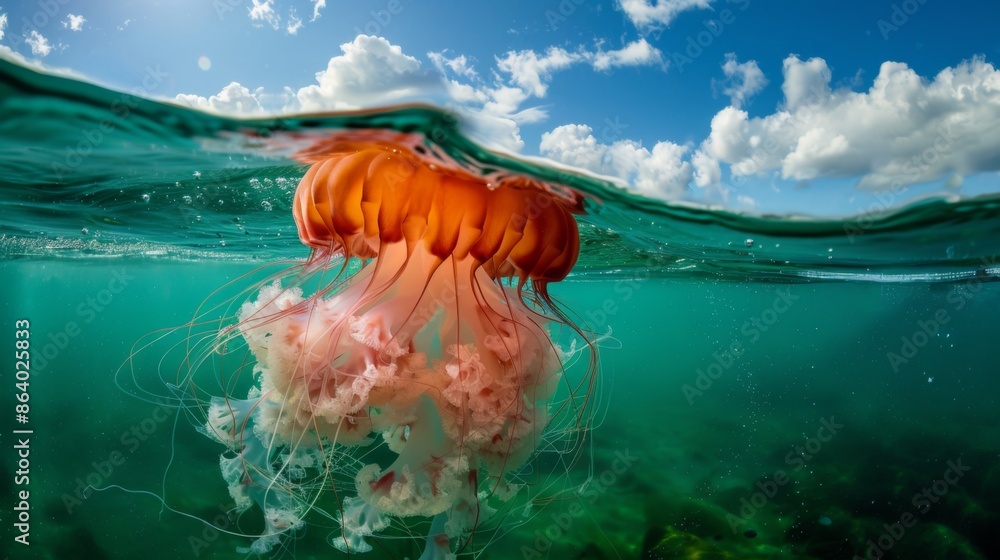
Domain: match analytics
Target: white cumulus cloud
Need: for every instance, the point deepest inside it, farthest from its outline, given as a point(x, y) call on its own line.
point(39, 44)
point(370, 72)
point(636, 53)
point(707, 171)
point(522, 75)
point(294, 23)
point(263, 11)
point(646, 13)
point(743, 80)
point(234, 99)
point(317, 6)
point(904, 129)
point(3, 24)
point(531, 71)
point(660, 172)
point(74, 22)
point(460, 65)
point(805, 82)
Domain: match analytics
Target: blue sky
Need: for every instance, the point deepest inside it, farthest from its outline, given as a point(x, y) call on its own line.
point(759, 106)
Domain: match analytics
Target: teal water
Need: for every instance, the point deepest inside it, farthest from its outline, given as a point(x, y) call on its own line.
point(852, 361)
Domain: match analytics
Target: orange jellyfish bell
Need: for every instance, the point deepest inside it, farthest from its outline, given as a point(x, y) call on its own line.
point(437, 348)
point(362, 194)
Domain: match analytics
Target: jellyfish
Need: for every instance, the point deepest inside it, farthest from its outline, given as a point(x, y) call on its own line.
point(429, 336)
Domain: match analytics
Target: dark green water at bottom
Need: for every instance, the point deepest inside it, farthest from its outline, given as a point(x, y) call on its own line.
point(738, 419)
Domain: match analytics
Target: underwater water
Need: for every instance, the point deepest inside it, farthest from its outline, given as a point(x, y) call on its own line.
point(768, 387)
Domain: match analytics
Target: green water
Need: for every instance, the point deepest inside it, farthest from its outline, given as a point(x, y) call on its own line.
point(815, 435)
